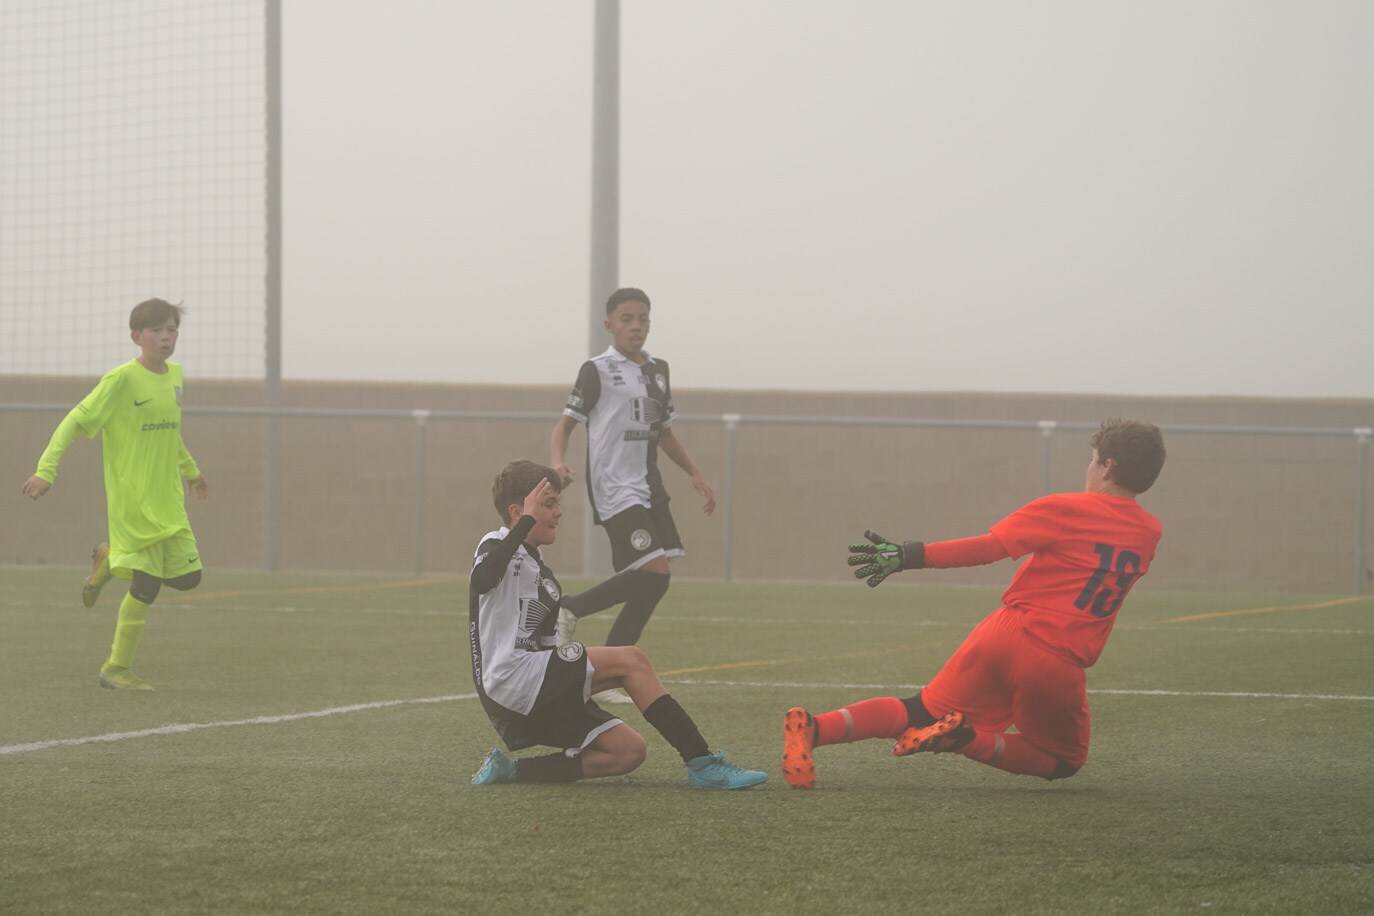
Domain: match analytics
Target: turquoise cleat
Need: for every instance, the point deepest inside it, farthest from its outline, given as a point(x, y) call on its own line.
point(715, 772)
point(496, 767)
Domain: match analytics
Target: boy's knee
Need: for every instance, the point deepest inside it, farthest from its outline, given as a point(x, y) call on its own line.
point(642, 665)
point(1062, 771)
point(649, 584)
point(634, 659)
point(631, 755)
point(656, 584)
point(185, 583)
point(144, 587)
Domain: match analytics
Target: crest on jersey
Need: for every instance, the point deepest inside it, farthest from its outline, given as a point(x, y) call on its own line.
point(177, 389)
point(662, 381)
point(570, 651)
point(641, 539)
point(646, 410)
point(551, 587)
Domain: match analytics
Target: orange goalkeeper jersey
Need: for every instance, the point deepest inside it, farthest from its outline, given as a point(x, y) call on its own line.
point(1087, 550)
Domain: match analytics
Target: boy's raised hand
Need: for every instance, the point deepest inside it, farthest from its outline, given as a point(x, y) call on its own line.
point(35, 487)
point(534, 502)
point(879, 559)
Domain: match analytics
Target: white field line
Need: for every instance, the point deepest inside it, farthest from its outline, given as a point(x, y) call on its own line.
point(197, 726)
point(811, 685)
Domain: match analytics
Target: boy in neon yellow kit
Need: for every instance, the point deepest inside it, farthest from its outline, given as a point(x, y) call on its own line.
point(138, 408)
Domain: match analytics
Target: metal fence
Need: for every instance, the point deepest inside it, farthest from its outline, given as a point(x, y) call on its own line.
point(729, 426)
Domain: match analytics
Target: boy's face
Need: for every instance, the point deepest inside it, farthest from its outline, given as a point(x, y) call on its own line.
point(158, 343)
point(546, 518)
point(629, 327)
point(1097, 474)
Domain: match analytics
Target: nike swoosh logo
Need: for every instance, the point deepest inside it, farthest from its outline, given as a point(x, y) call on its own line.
point(142, 402)
point(715, 779)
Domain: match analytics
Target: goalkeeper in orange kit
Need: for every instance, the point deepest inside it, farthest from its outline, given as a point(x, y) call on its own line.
point(1024, 665)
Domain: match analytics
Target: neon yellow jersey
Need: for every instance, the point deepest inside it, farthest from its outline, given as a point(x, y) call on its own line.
point(139, 412)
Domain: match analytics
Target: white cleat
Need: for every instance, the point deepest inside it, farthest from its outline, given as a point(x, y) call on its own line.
point(614, 695)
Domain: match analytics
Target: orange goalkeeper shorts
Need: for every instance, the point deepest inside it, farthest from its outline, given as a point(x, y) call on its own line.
point(1000, 677)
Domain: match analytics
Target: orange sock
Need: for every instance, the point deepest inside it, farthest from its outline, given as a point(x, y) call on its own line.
point(881, 717)
point(1012, 753)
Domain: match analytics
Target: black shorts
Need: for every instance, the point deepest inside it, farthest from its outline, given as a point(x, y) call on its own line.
point(639, 535)
point(562, 715)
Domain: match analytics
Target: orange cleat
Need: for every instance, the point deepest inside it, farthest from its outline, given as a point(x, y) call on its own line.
point(798, 742)
point(948, 733)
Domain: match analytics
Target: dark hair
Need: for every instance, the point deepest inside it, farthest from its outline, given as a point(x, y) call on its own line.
point(517, 480)
point(1137, 448)
point(626, 294)
point(153, 312)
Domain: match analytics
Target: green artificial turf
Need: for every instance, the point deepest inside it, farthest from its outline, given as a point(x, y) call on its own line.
point(1232, 768)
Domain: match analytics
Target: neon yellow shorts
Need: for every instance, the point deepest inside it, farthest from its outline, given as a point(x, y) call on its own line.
point(165, 559)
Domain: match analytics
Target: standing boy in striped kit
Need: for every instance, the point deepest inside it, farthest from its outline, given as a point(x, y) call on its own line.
point(624, 395)
point(138, 408)
point(1025, 664)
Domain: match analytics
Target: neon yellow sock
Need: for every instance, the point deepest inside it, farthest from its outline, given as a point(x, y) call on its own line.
point(133, 614)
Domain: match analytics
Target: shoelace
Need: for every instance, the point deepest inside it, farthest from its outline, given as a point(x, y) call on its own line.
point(726, 765)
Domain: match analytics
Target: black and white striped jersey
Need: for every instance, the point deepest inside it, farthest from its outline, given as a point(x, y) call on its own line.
point(511, 623)
point(625, 407)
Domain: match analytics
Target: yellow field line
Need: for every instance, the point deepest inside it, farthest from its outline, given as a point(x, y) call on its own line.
point(873, 653)
point(317, 589)
point(1335, 602)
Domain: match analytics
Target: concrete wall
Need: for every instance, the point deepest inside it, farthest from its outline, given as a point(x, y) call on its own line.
point(1240, 512)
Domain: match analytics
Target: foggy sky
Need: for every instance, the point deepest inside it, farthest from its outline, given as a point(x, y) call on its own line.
point(1122, 198)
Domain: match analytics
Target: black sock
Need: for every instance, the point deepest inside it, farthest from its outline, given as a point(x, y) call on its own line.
point(548, 768)
point(634, 616)
point(917, 716)
point(673, 723)
point(616, 590)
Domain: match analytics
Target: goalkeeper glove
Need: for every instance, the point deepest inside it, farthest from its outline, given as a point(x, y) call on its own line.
point(882, 558)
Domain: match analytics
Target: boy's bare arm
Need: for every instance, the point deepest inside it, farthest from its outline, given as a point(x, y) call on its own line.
point(558, 448)
point(672, 446)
